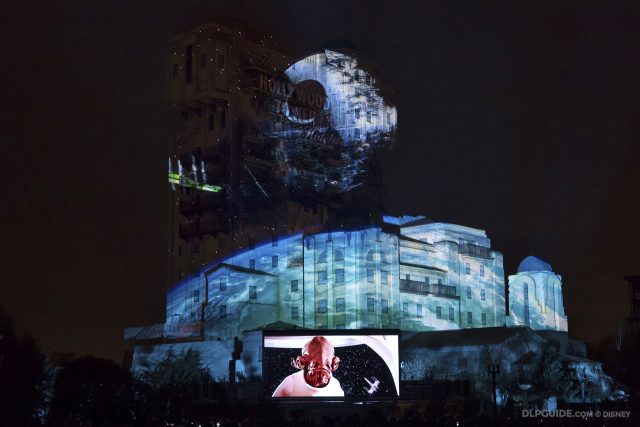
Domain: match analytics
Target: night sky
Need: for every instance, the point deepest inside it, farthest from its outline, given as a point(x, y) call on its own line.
point(521, 119)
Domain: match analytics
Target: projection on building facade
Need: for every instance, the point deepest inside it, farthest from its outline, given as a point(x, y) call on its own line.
point(326, 115)
point(317, 123)
point(282, 151)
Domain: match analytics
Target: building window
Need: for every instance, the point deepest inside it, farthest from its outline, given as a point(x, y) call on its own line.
point(223, 311)
point(253, 292)
point(340, 326)
point(484, 319)
point(212, 121)
point(294, 312)
point(469, 317)
point(220, 61)
point(368, 116)
point(189, 62)
point(438, 312)
point(371, 304)
point(439, 281)
point(322, 306)
point(419, 310)
point(426, 280)
point(385, 305)
point(196, 295)
point(405, 308)
point(223, 118)
point(483, 295)
point(203, 61)
point(451, 316)
point(294, 286)
point(252, 264)
point(467, 268)
point(340, 275)
point(482, 270)
point(274, 261)
point(340, 306)
point(338, 255)
point(322, 277)
point(468, 292)
point(322, 259)
point(357, 133)
point(223, 283)
point(274, 241)
point(357, 113)
point(221, 242)
point(370, 274)
point(384, 277)
point(407, 277)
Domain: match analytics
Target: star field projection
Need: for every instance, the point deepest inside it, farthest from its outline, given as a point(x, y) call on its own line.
point(358, 364)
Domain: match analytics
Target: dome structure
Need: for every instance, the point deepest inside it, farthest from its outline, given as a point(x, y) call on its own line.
point(532, 263)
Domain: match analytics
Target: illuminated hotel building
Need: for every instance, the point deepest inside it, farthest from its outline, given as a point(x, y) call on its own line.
point(204, 71)
point(276, 219)
point(409, 273)
point(268, 146)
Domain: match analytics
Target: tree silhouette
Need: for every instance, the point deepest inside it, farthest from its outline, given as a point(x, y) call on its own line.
point(93, 391)
point(171, 382)
point(22, 377)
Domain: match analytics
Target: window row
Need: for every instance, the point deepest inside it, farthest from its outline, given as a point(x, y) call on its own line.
point(222, 285)
point(419, 311)
point(211, 122)
point(483, 318)
point(274, 262)
point(338, 256)
point(340, 306)
point(483, 294)
point(467, 269)
point(204, 60)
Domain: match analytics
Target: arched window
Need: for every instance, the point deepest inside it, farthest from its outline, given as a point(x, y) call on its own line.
point(338, 255)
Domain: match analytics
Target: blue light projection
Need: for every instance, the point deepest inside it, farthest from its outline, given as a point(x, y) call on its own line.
point(535, 297)
point(363, 278)
point(335, 117)
point(412, 274)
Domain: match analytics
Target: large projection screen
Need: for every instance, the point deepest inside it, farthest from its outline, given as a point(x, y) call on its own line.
point(333, 364)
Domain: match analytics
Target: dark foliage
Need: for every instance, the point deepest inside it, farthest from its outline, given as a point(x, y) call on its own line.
point(172, 384)
point(93, 391)
point(22, 377)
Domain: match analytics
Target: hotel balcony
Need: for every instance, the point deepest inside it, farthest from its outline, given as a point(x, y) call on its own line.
point(476, 251)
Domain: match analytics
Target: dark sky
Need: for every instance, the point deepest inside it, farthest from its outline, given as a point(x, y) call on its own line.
point(521, 119)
